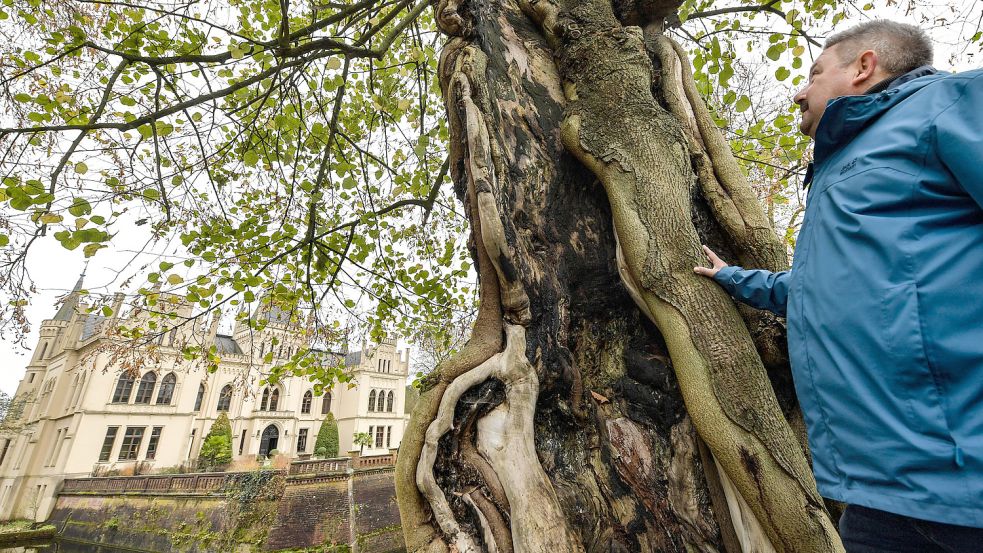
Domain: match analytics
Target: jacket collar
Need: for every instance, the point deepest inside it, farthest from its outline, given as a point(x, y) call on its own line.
point(846, 116)
point(895, 82)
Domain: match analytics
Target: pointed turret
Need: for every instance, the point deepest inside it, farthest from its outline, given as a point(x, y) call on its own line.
point(70, 303)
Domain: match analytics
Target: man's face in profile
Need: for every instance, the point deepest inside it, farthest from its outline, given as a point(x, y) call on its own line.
point(829, 78)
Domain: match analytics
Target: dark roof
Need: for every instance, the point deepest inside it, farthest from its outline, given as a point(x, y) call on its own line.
point(70, 303)
point(226, 344)
point(91, 325)
point(353, 358)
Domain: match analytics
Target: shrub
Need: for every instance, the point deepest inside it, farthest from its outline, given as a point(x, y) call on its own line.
point(216, 452)
point(327, 438)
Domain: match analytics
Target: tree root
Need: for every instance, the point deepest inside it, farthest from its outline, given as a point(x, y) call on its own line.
point(517, 484)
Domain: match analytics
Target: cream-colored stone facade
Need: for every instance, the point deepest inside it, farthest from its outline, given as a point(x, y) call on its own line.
point(82, 416)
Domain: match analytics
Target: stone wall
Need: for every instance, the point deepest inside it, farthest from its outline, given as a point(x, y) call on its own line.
point(325, 505)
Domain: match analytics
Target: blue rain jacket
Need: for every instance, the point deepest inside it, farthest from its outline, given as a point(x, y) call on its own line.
point(884, 300)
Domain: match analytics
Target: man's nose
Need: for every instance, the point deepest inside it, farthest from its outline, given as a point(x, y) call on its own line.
point(800, 96)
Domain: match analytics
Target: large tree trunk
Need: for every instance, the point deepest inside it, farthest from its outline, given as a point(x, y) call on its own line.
point(609, 399)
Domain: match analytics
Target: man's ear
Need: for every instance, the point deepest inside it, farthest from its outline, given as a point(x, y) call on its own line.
point(866, 67)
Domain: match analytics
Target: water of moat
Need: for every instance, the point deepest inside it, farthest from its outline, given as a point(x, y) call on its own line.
point(62, 546)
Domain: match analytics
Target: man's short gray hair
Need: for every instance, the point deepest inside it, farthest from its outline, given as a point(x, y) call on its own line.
point(900, 47)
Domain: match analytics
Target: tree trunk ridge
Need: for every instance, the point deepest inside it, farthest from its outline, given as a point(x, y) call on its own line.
point(561, 426)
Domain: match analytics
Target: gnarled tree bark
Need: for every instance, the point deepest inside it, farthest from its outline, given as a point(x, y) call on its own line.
point(592, 172)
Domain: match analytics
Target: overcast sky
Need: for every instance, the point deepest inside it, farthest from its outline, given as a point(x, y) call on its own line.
point(56, 270)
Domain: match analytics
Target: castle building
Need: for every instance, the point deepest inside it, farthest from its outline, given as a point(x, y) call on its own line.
point(91, 402)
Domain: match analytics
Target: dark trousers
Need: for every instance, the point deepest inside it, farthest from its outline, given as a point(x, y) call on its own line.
point(871, 531)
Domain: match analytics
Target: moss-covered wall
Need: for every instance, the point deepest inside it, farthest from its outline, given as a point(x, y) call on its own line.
point(328, 512)
point(159, 524)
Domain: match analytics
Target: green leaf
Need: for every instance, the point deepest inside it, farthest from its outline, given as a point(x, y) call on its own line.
point(80, 207)
point(81, 168)
point(4, 240)
point(23, 97)
point(250, 158)
point(782, 73)
point(90, 249)
point(743, 103)
point(775, 51)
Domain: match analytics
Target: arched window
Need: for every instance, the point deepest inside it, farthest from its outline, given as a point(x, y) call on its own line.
point(146, 389)
point(389, 402)
point(166, 392)
point(225, 398)
point(265, 400)
point(124, 387)
point(372, 401)
point(326, 403)
point(382, 401)
point(274, 399)
point(200, 397)
point(305, 404)
point(78, 390)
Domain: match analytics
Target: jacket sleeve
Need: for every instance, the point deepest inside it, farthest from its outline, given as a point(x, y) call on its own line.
point(755, 287)
point(959, 138)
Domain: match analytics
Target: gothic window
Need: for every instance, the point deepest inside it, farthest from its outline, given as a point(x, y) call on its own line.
point(389, 402)
point(131, 443)
point(265, 400)
point(305, 404)
point(124, 387)
point(326, 403)
point(146, 389)
point(372, 401)
point(225, 398)
point(166, 392)
point(200, 397)
point(152, 444)
point(381, 406)
point(274, 399)
point(107, 444)
point(302, 440)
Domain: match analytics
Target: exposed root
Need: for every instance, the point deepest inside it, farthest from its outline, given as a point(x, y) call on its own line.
point(505, 438)
point(469, 454)
point(486, 340)
point(722, 182)
point(496, 532)
point(519, 487)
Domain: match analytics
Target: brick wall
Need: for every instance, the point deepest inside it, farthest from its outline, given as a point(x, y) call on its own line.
point(314, 510)
point(352, 506)
point(377, 526)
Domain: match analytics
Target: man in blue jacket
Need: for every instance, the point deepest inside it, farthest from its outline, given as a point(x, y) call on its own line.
point(884, 301)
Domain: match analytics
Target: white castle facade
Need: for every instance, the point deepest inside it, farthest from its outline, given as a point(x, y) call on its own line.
point(87, 410)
